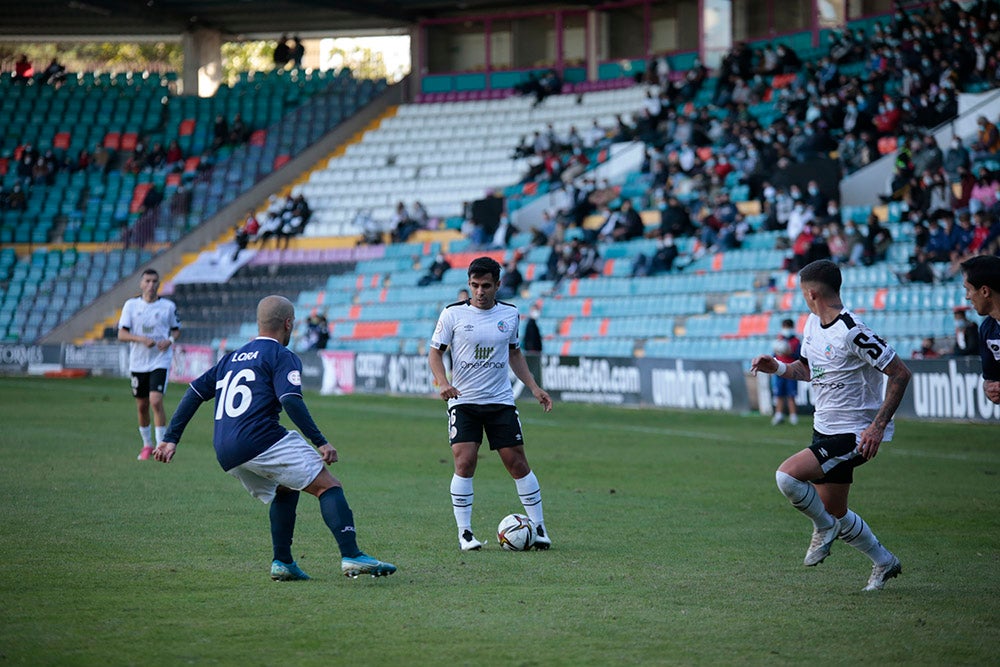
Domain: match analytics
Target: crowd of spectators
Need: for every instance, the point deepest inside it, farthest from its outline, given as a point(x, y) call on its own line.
point(873, 93)
point(284, 218)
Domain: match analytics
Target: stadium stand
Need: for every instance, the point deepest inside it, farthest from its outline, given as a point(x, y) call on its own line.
point(105, 198)
point(731, 284)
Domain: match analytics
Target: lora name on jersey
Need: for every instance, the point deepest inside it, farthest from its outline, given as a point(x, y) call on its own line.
point(244, 356)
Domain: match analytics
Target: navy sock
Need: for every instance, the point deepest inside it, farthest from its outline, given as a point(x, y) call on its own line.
point(283, 524)
point(339, 518)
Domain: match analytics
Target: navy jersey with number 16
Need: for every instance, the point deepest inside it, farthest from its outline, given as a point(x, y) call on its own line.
point(247, 386)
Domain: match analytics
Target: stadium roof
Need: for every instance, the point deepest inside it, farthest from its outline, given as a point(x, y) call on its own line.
point(52, 19)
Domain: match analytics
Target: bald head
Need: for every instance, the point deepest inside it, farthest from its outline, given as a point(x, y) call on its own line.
point(272, 313)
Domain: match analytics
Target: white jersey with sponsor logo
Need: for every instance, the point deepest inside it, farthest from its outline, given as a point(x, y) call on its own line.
point(845, 363)
point(155, 320)
point(480, 342)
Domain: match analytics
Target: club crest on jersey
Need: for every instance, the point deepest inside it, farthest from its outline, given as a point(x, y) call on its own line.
point(294, 378)
point(502, 325)
point(828, 352)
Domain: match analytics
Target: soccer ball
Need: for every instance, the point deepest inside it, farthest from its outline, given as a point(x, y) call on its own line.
point(516, 532)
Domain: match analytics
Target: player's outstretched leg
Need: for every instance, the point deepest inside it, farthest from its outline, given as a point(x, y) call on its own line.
point(340, 520)
point(885, 566)
point(805, 499)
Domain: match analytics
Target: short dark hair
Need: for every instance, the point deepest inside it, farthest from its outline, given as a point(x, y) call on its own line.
point(151, 271)
point(787, 323)
point(983, 270)
point(824, 272)
point(485, 265)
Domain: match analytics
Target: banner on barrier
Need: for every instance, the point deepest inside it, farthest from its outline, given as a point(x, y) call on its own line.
point(190, 361)
point(591, 380)
point(694, 384)
point(15, 357)
point(946, 389)
point(338, 373)
point(99, 357)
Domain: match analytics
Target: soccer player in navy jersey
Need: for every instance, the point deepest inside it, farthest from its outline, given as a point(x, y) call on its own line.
point(982, 290)
point(250, 387)
point(844, 361)
point(482, 334)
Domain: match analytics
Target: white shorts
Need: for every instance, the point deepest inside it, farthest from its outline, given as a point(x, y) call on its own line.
point(291, 462)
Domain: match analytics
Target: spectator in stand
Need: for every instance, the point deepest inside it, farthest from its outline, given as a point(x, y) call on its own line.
point(966, 334)
point(984, 193)
point(55, 74)
point(174, 156)
point(420, 216)
point(987, 143)
point(786, 350)
point(241, 238)
point(282, 52)
point(511, 282)
point(317, 332)
point(877, 241)
point(675, 219)
point(662, 260)
point(238, 130)
point(920, 270)
point(17, 200)
point(594, 136)
point(798, 221)
point(938, 242)
point(962, 194)
point(157, 157)
point(297, 53)
point(926, 350)
point(220, 132)
point(250, 227)
point(401, 224)
point(435, 273)
point(579, 260)
point(531, 342)
point(956, 157)
point(23, 71)
point(624, 224)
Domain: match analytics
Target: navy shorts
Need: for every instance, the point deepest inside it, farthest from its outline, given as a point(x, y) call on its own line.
point(783, 387)
point(144, 383)
point(838, 456)
point(466, 423)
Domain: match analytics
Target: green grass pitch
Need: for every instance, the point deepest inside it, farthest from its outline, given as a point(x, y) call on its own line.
point(671, 545)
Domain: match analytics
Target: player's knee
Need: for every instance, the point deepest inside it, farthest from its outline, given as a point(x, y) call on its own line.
point(787, 484)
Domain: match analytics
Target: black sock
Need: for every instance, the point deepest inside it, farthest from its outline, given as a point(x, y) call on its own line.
point(283, 524)
point(339, 518)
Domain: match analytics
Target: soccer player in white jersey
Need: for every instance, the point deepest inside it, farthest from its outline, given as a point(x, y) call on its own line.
point(844, 361)
point(150, 325)
point(482, 334)
point(250, 387)
point(982, 290)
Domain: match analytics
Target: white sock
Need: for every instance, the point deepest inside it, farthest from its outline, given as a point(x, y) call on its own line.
point(805, 499)
point(855, 532)
point(160, 432)
point(531, 497)
point(146, 433)
point(461, 501)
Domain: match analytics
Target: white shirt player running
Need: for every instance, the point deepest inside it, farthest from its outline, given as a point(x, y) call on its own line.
point(480, 343)
point(155, 320)
point(845, 363)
